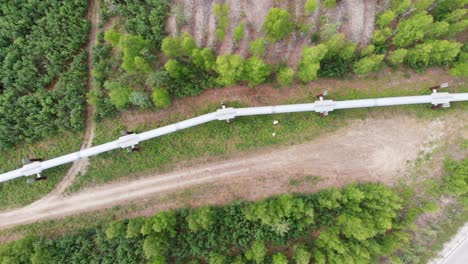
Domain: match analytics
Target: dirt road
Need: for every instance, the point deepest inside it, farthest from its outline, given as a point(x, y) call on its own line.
point(371, 150)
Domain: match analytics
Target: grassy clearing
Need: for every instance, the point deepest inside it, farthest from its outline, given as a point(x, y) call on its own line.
point(218, 139)
point(17, 192)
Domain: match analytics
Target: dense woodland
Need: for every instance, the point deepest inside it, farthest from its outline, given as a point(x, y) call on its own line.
point(135, 65)
point(43, 69)
point(359, 223)
point(413, 34)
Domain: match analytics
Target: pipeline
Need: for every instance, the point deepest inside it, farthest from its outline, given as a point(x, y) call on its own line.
point(321, 106)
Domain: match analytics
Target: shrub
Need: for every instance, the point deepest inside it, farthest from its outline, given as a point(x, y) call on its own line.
point(368, 64)
point(256, 71)
point(329, 3)
point(258, 47)
point(238, 32)
point(285, 76)
point(157, 79)
point(221, 12)
point(310, 6)
point(278, 24)
point(203, 58)
point(139, 99)
point(161, 98)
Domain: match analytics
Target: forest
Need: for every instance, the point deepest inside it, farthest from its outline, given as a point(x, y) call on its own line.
point(359, 223)
point(43, 68)
point(137, 66)
point(151, 69)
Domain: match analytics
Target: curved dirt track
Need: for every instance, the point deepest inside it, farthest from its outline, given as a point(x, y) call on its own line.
point(376, 149)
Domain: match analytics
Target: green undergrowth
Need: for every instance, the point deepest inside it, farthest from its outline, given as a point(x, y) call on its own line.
point(17, 192)
point(218, 139)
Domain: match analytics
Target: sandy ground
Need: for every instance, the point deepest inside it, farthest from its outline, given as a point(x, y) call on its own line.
point(377, 149)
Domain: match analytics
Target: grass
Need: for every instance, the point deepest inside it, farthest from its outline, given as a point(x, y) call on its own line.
point(218, 139)
point(17, 192)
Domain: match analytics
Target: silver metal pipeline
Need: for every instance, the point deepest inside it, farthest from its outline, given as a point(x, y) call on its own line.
point(320, 106)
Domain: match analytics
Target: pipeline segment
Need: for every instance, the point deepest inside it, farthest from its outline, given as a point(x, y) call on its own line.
point(320, 106)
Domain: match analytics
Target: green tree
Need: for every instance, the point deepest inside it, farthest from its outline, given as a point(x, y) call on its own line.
point(238, 32)
point(278, 24)
point(256, 71)
point(456, 15)
point(412, 29)
point(257, 252)
point(310, 6)
point(161, 98)
point(119, 96)
point(113, 37)
point(310, 62)
point(438, 29)
point(281, 213)
point(116, 229)
point(258, 47)
point(368, 50)
point(203, 58)
point(423, 4)
point(419, 56)
point(400, 6)
point(134, 227)
point(230, 69)
point(176, 69)
point(285, 76)
point(178, 47)
point(368, 64)
point(385, 18)
point(380, 36)
point(216, 258)
point(200, 219)
point(134, 47)
point(444, 51)
point(155, 245)
point(398, 56)
point(159, 260)
point(279, 258)
point(461, 67)
point(301, 255)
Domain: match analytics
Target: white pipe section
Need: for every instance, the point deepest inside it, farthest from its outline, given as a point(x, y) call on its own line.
point(320, 106)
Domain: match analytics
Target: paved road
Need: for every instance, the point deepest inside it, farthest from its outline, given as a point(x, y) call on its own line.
point(456, 250)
